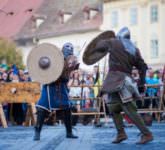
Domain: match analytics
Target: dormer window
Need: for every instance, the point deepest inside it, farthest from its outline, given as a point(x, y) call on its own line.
point(37, 20)
point(29, 10)
point(10, 13)
point(67, 16)
point(64, 16)
point(93, 12)
point(89, 13)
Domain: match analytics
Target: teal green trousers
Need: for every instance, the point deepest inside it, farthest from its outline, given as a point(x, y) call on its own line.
point(130, 109)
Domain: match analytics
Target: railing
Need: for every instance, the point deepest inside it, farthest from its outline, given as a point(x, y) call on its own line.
point(29, 92)
point(21, 92)
point(157, 110)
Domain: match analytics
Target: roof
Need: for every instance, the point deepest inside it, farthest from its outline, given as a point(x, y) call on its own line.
point(14, 14)
point(53, 27)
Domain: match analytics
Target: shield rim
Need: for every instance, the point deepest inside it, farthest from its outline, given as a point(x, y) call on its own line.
point(50, 78)
point(88, 50)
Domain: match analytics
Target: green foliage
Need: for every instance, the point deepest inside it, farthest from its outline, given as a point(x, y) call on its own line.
point(10, 54)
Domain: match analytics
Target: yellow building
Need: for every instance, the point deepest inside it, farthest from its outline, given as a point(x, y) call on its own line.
point(145, 19)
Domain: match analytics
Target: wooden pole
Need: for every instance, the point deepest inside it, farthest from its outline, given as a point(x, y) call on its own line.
point(2, 117)
point(30, 115)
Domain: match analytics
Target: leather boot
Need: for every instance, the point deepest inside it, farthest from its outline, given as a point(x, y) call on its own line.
point(121, 136)
point(145, 138)
point(41, 114)
point(68, 124)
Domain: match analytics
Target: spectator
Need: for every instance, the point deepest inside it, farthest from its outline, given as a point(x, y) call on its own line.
point(97, 80)
point(4, 76)
point(18, 113)
point(21, 75)
point(75, 92)
point(135, 76)
point(90, 82)
point(151, 91)
point(27, 76)
point(1, 79)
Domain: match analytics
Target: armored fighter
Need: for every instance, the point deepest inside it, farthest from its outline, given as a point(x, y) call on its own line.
point(51, 67)
point(119, 87)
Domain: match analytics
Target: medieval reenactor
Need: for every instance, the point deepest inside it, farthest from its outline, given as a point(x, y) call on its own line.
point(119, 86)
point(55, 94)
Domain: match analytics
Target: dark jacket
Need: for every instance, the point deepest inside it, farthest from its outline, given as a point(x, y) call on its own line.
point(55, 95)
point(121, 63)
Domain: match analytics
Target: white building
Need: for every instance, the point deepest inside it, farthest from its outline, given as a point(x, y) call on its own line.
point(145, 19)
point(79, 40)
point(58, 22)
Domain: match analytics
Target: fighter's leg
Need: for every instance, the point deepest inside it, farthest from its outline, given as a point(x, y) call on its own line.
point(68, 123)
point(115, 109)
point(131, 110)
point(41, 114)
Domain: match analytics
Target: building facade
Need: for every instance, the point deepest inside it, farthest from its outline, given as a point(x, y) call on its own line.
point(58, 22)
point(145, 19)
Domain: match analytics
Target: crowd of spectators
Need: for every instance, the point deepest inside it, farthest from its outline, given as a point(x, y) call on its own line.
point(152, 91)
point(81, 86)
point(14, 112)
point(85, 94)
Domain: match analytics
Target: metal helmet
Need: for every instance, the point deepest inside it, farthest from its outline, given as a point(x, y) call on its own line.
point(124, 33)
point(124, 36)
point(67, 49)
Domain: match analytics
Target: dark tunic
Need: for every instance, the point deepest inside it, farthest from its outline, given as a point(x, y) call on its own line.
point(55, 95)
point(57, 98)
point(121, 63)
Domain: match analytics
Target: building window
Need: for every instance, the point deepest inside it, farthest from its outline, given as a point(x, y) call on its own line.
point(90, 13)
point(39, 22)
point(154, 48)
point(133, 16)
point(64, 16)
point(154, 13)
point(114, 18)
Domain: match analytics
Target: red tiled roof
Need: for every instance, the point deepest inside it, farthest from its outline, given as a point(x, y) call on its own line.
point(14, 14)
point(52, 27)
point(3, 3)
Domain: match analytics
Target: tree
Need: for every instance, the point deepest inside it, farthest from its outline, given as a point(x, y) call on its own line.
point(10, 54)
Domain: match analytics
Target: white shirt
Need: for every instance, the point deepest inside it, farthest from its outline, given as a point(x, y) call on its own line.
point(75, 92)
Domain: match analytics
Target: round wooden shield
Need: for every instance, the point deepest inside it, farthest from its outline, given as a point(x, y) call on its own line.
point(90, 55)
point(45, 63)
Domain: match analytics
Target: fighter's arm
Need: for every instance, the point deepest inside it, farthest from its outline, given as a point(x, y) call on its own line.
point(103, 46)
point(142, 67)
point(70, 64)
